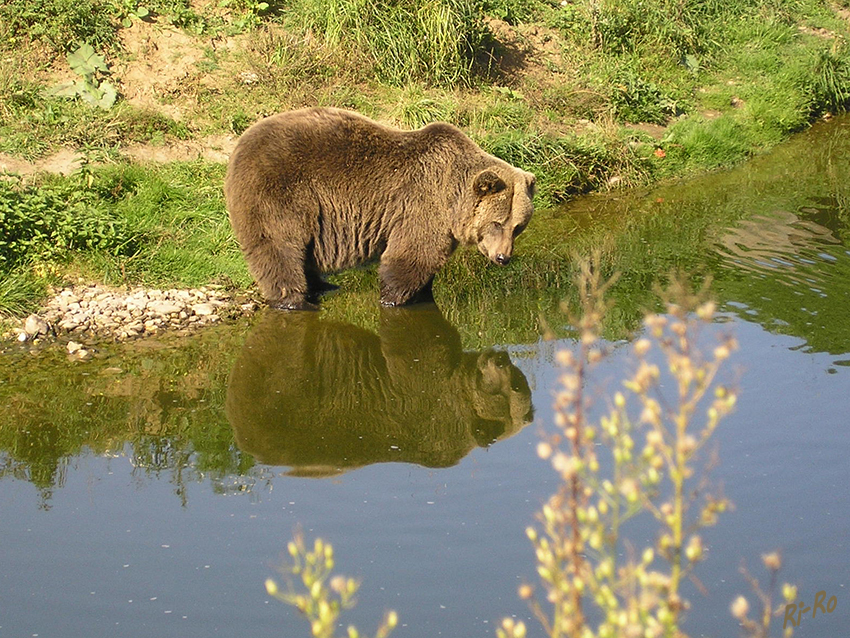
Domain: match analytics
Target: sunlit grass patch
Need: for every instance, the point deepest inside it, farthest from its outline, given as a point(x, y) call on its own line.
point(402, 42)
point(122, 224)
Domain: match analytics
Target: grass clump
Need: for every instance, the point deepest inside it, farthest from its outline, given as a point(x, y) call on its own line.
point(571, 164)
point(435, 41)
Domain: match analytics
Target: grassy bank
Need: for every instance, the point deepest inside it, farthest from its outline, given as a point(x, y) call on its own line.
point(589, 95)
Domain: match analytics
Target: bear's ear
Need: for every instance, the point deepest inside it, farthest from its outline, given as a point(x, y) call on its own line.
point(487, 183)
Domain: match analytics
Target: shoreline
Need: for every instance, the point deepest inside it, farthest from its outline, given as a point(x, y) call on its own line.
point(96, 313)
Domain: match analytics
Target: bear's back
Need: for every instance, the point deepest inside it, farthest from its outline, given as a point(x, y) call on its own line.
point(324, 143)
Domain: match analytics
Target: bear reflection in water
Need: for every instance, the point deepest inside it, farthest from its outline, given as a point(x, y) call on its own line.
point(323, 396)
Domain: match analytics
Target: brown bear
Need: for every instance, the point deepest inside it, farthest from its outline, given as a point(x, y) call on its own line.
point(319, 190)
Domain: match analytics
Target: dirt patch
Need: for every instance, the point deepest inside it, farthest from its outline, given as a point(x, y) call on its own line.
point(655, 131)
point(528, 51)
point(63, 162)
point(160, 60)
point(216, 148)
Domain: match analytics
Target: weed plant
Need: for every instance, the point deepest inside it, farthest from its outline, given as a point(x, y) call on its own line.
point(317, 594)
point(91, 86)
point(624, 467)
point(48, 221)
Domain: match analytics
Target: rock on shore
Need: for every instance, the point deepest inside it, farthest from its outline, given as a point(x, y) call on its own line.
point(114, 314)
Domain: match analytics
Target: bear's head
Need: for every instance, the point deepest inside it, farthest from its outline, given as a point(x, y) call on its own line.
point(503, 206)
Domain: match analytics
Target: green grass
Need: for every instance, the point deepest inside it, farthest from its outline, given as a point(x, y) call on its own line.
point(178, 212)
point(409, 40)
point(118, 224)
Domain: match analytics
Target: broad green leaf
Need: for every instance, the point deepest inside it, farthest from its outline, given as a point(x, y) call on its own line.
point(84, 61)
point(108, 97)
point(66, 89)
point(691, 62)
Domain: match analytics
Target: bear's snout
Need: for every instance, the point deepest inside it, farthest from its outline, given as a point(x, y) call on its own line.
point(502, 259)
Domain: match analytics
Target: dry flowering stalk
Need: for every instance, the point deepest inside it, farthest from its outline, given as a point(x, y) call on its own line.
point(649, 466)
point(740, 608)
point(324, 596)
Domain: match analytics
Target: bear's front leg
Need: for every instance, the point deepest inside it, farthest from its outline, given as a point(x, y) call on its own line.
point(281, 274)
point(406, 275)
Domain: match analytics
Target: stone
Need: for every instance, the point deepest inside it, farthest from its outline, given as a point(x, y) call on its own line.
point(203, 309)
point(35, 325)
point(164, 307)
point(97, 310)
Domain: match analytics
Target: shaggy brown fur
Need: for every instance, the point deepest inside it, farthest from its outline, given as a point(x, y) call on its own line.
point(320, 190)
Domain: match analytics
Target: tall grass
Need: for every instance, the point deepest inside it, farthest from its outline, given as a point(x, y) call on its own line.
point(406, 41)
point(830, 83)
point(569, 165)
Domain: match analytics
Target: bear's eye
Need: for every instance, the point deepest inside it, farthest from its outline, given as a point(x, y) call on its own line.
point(496, 226)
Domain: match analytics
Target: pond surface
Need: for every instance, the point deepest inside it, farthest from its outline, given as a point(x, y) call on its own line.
point(152, 490)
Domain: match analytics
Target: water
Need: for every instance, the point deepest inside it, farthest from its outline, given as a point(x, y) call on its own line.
point(152, 490)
